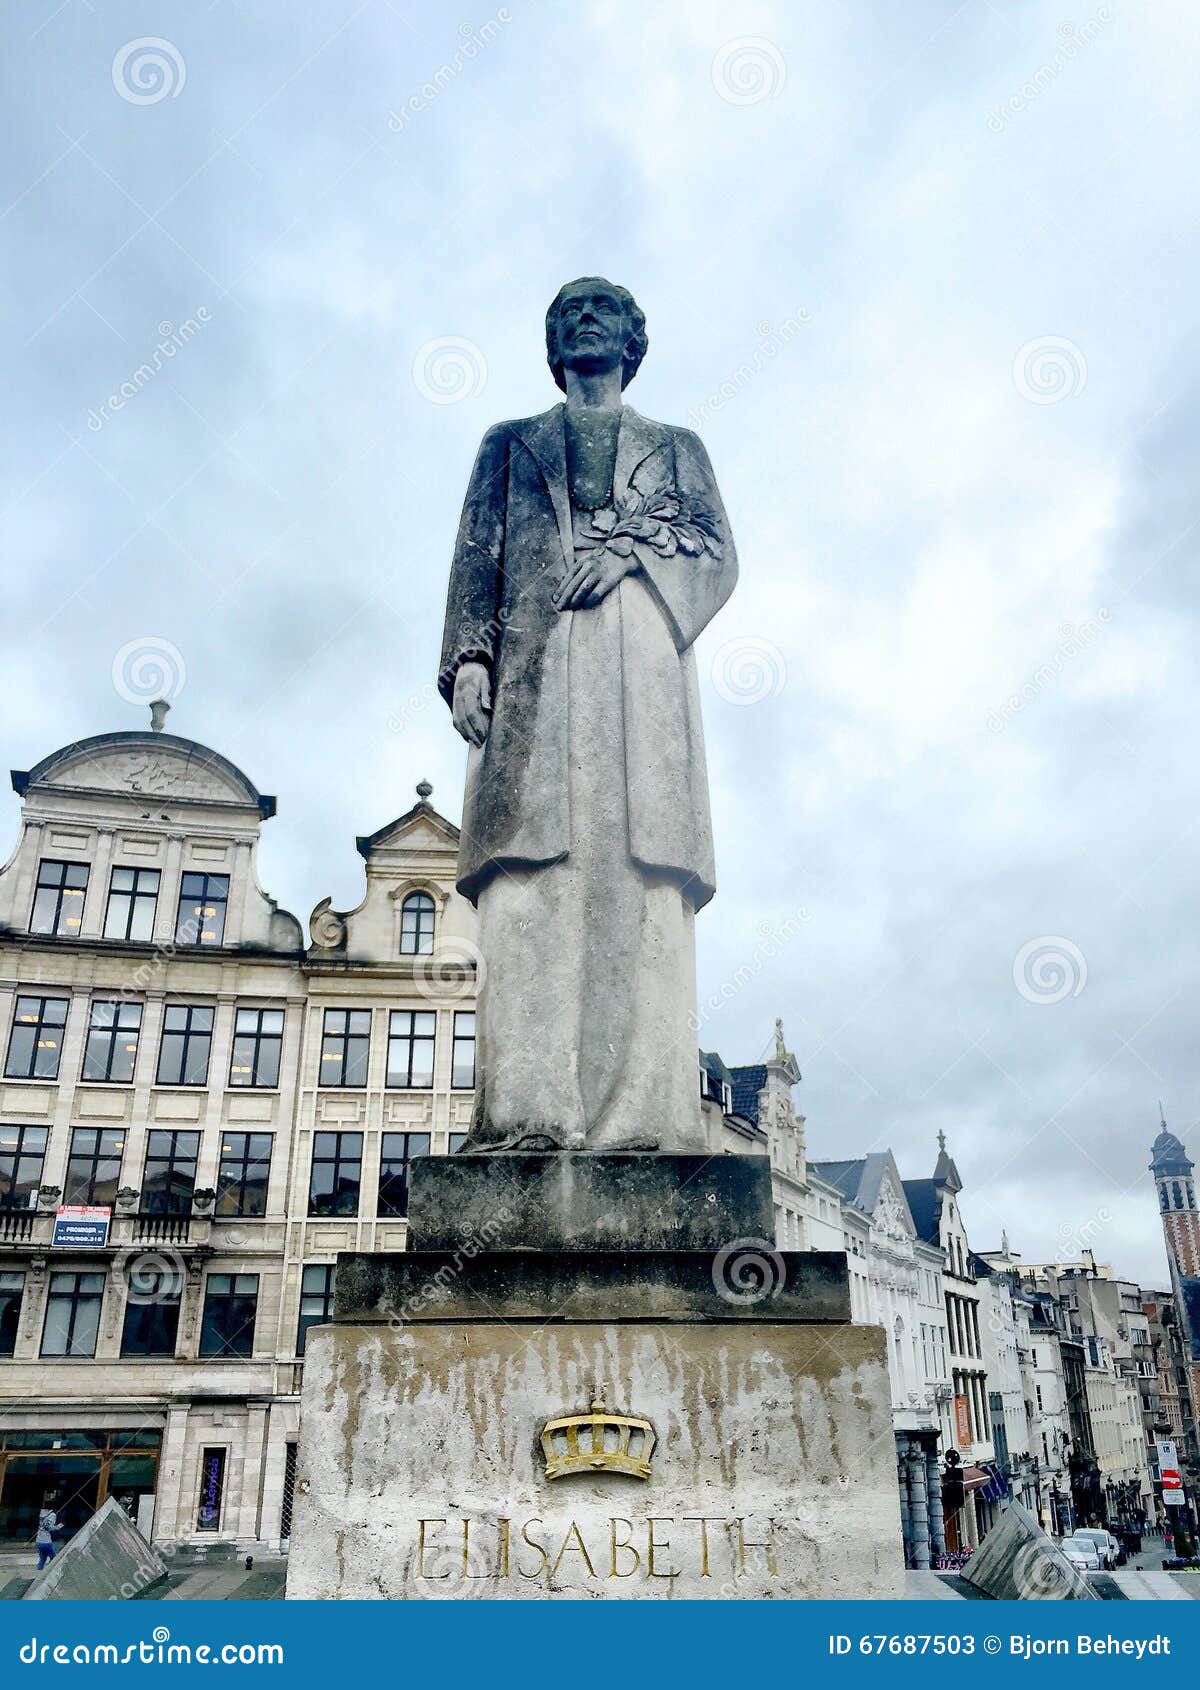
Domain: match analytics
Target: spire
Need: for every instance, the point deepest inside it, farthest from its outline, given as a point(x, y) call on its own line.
point(945, 1173)
point(941, 1141)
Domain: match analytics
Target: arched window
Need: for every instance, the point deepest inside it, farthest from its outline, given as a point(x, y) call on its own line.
point(416, 925)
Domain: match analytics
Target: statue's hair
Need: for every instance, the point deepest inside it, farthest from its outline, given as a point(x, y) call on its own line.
point(638, 341)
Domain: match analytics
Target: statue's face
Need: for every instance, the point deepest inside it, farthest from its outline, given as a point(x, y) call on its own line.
point(593, 328)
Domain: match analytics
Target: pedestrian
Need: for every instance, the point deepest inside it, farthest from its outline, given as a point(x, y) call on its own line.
point(44, 1541)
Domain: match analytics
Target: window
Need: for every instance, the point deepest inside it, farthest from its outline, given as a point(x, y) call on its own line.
point(170, 1175)
point(203, 899)
point(112, 1042)
point(186, 1043)
point(132, 900)
point(37, 1037)
point(336, 1172)
point(152, 1313)
point(58, 898)
point(242, 1179)
point(22, 1151)
point(230, 1308)
point(398, 1151)
point(257, 1043)
point(94, 1165)
point(344, 1047)
point(410, 1048)
point(462, 1066)
point(416, 925)
point(316, 1301)
point(456, 1142)
point(212, 1489)
point(72, 1314)
point(12, 1285)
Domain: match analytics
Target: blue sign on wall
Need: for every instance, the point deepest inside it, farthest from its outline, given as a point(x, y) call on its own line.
point(82, 1226)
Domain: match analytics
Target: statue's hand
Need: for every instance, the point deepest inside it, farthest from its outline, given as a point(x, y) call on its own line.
point(472, 702)
point(597, 571)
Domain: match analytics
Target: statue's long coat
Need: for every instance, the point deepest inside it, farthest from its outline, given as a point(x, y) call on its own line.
point(514, 545)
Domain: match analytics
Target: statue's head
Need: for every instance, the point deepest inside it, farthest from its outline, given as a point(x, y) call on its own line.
point(593, 325)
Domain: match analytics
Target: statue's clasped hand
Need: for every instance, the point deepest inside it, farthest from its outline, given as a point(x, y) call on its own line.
point(596, 572)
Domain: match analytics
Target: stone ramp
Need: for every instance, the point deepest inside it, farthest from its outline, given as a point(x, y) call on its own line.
point(1148, 1587)
point(108, 1559)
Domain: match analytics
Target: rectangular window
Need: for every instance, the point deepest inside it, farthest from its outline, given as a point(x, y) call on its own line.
point(12, 1286)
point(462, 1067)
point(35, 1045)
point(257, 1043)
point(336, 1173)
point(316, 1301)
point(112, 1041)
point(410, 1048)
point(455, 1142)
point(203, 900)
point(22, 1151)
point(344, 1046)
point(243, 1175)
point(152, 1312)
point(186, 1045)
point(132, 901)
point(397, 1152)
point(170, 1176)
point(230, 1309)
point(94, 1165)
point(58, 898)
point(72, 1314)
point(212, 1490)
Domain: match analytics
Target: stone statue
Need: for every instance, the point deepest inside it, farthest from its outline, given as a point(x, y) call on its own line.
point(593, 548)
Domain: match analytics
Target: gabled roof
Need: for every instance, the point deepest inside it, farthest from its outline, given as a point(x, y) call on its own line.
point(422, 810)
point(188, 753)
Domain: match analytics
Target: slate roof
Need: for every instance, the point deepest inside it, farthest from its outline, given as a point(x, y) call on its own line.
point(1168, 1155)
point(858, 1181)
point(747, 1083)
point(924, 1205)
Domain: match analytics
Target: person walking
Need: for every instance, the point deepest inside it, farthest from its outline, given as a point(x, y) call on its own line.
point(48, 1524)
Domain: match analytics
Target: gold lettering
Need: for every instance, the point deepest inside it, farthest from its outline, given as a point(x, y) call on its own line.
point(466, 1570)
point(538, 1571)
point(421, 1542)
point(503, 1536)
point(704, 1521)
point(769, 1546)
point(573, 1532)
point(618, 1545)
point(652, 1521)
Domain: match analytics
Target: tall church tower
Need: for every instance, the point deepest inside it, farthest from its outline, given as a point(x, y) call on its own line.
point(1177, 1204)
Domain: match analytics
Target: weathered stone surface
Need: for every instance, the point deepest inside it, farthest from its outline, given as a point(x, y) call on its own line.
point(766, 1433)
point(750, 1284)
point(107, 1559)
point(1017, 1562)
point(581, 1200)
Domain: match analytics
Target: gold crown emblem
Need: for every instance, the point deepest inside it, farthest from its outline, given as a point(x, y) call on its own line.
point(602, 1441)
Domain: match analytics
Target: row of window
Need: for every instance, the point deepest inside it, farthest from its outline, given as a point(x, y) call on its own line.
point(74, 1300)
point(61, 892)
point(169, 1175)
point(114, 1028)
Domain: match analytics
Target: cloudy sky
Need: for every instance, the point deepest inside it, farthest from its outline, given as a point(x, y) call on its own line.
point(924, 278)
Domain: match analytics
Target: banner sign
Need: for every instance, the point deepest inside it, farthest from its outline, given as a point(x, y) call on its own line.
point(962, 1423)
point(1168, 1473)
point(81, 1226)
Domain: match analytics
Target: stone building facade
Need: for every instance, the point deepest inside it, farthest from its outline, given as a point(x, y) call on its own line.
point(231, 1106)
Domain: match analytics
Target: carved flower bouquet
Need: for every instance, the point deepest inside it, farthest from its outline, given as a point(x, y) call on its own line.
point(656, 520)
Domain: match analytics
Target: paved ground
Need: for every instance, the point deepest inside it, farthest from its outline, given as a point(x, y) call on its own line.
point(219, 1577)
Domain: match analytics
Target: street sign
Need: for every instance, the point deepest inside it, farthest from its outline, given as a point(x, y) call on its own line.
point(82, 1226)
point(1169, 1475)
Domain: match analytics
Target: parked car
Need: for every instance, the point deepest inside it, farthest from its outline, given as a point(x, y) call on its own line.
point(1111, 1553)
point(1082, 1553)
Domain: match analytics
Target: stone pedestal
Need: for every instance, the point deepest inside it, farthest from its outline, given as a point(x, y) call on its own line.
point(517, 1423)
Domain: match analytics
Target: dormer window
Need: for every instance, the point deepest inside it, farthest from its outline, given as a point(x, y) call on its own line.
point(58, 898)
point(416, 924)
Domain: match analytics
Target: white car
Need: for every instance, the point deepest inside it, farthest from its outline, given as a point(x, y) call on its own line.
point(1082, 1553)
point(1106, 1543)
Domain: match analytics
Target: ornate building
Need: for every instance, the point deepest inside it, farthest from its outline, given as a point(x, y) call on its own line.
point(197, 1111)
point(1176, 1189)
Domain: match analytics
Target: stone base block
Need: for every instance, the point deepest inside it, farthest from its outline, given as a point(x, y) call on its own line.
point(427, 1449)
point(588, 1200)
point(108, 1560)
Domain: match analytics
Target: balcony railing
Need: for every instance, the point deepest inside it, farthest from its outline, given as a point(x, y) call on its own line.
point(160, 1229)
point(16, 1226)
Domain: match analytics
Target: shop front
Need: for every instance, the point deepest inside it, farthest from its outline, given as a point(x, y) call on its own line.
point(73, 1472)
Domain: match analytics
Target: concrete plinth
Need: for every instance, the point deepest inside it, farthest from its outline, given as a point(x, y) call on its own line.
point(422, 1472)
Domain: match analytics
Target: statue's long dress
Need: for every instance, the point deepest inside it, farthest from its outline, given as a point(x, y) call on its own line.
point(586, 1014)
